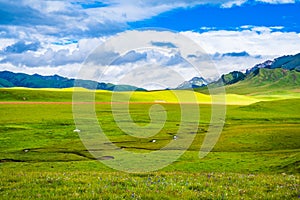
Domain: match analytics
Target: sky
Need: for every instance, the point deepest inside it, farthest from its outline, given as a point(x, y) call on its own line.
point(55, 37)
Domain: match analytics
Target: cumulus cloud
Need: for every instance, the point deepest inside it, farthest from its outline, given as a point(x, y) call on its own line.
point(230, 4)
point(52, 54)
point(163, 44)
point(21, 47)
point(69, 70)
point(257, 41)
point(49, 58)
point(235, 54)
point(16, 13)
point(153, 56)
point(159, 78)
point(146, 74)
point(130, 57)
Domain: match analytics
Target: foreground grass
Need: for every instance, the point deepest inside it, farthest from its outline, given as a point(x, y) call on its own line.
point(159, 185)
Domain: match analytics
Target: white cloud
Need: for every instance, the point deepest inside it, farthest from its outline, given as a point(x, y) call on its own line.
point(5, 42)
point(230, 4)
point(69, 70)
point(52, 54)
point(145, 68)
point(137, 74)
point(258, 41)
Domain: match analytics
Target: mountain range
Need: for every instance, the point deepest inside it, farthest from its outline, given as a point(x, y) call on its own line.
point(10, 79)
point(195, 82)
point(282, 73)
point(271, 75)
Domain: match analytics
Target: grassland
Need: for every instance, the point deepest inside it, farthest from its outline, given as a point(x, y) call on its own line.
point(256, 157)
point(65, 95)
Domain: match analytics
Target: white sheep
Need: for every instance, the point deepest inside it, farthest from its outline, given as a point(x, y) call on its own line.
point(76, 130)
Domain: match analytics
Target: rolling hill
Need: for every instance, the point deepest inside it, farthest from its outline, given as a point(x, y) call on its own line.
point(266, 81)
point(280, 75)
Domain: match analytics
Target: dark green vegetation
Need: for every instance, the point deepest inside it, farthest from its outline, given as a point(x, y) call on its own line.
point(10, 79)
point(256, 157)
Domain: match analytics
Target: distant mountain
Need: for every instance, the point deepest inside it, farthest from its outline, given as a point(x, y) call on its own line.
point(270, 70)
point(266, 64)
point(195, 82)
point(290, 62)
point(230, 78)
point(282, 73)
point(10, 79)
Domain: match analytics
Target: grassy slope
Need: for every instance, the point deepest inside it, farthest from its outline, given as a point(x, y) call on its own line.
point(260, 138)
point(269, 84)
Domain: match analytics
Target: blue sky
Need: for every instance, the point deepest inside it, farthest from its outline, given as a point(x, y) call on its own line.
point(54, 37)
point(258, 14)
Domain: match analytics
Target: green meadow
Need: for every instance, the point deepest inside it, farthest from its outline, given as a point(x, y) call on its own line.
point(256, 157)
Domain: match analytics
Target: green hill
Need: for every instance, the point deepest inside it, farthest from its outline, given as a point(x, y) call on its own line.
point(10, 79)
point(279, 76)
point(262, 81)
point(266, 81)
